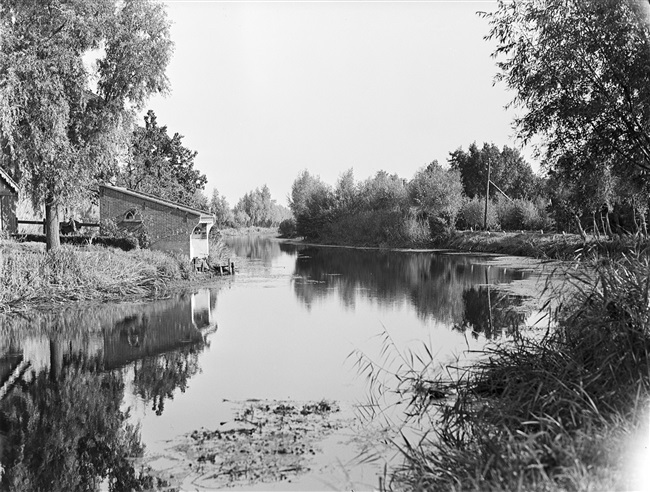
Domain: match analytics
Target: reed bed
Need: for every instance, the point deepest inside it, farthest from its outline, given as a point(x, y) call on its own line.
point(549, 410)
point(31, 276)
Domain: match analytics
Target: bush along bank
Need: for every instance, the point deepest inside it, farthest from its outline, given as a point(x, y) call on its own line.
point(33, 277)
point(567, 409)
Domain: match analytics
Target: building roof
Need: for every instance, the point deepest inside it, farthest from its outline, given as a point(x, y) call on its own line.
point(12, 184)
point(168, 203)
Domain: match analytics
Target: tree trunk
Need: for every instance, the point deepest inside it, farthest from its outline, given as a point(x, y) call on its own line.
point(595, 223)
point(582, 232)
point(608, 225)
point(52, 240)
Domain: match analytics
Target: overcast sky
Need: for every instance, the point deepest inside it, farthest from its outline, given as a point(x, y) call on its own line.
point(263, 90)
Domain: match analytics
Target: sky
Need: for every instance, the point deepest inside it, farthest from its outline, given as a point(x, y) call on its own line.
point(265, 90)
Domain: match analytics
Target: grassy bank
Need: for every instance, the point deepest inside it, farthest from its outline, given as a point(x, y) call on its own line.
point(562, 409)
point(31, 277)
point(538, 245)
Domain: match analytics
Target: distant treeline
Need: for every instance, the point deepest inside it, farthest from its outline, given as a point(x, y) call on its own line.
point(389, 210)
point(255, 208)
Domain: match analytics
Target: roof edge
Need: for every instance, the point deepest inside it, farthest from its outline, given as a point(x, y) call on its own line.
point(155, 199)
point(10, 181)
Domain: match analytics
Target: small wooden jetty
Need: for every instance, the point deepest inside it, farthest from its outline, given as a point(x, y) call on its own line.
point(224, 267)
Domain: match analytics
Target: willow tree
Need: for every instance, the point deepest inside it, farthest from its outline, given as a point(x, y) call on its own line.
point(580, 70)
point(72, 75)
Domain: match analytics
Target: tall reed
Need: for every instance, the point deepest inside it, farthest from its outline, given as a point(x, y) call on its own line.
point(542, 411)
point(32, 276)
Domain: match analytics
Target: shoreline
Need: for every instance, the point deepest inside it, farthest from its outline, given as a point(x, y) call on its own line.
point(76, 276)
point(541, 246)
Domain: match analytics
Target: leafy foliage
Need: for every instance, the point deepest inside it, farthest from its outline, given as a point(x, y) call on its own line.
point(509, 171)
point(580, 72)
point(437, 192)
point(472, 215)
point(160, 165)
point(257, 208)
point(382, 210)
point(64, 125)
point(312, 203)
point(219, 207)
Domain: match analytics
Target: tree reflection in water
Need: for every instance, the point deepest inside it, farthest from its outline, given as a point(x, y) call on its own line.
point(61, 425)
point(63, 430)
point(255, 247)
point(438, 286)
point(491, 313)
point(156, 378)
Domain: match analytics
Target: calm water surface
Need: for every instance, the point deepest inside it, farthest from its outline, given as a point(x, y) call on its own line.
point(282, 328)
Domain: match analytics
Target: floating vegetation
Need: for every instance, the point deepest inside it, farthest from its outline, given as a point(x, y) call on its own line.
point(266, 442)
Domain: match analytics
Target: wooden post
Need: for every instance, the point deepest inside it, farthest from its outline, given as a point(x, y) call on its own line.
point(487, 197)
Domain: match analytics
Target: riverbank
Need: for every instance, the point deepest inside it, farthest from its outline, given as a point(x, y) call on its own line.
point(564, 410)
point(530, 244)
point(538, 244)
point(33, 278)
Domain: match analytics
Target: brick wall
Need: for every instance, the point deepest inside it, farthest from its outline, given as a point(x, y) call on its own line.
point(168, 228)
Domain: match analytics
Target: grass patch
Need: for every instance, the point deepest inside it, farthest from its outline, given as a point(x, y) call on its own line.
point(556, 410)
point(32, 276)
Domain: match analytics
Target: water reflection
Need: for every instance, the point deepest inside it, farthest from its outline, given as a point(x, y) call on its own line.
point(441, 287)
point(263, 248)
point(63, 429)
point(491, 313)
point(62, 379)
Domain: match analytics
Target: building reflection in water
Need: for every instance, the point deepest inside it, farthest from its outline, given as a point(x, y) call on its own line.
point(62, 379)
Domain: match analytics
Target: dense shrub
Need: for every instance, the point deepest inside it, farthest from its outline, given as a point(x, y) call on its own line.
point(287, 228)
point(384, 210)
point(437, 194)
point(125, 243)
point(521, 214)
point(472, 214)
point(139, 237)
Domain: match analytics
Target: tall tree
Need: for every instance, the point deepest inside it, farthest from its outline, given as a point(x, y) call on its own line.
point(161, 165)
point(221, 210)
point(257, 208)
point(62, 123)
point(437, 193)
point(580, 72)
point(509, 170)
point(311, 202)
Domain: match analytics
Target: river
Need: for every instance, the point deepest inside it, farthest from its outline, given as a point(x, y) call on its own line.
point(84, 386)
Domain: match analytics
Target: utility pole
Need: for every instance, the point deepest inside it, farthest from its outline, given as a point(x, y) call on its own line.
point(487, 197)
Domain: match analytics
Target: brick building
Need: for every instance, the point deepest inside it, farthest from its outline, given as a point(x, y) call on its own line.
point(169, 226)
point(8, 200)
